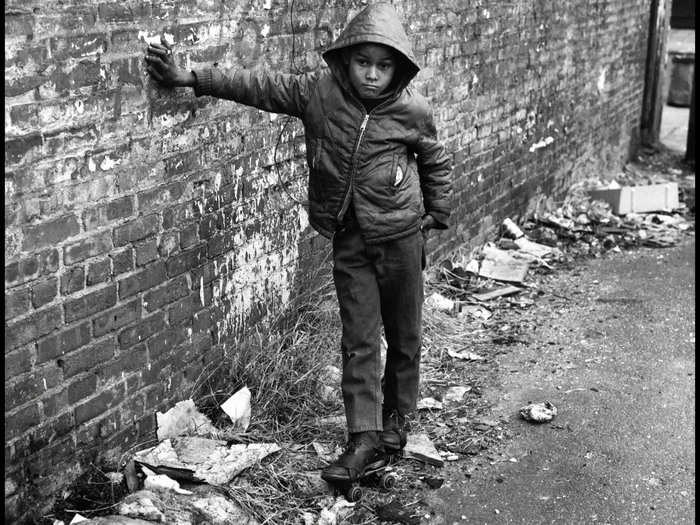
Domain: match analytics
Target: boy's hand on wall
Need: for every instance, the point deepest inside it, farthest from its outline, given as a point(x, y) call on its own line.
point(161, 66)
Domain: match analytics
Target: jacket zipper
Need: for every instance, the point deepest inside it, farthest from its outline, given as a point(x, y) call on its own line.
point(348, 192)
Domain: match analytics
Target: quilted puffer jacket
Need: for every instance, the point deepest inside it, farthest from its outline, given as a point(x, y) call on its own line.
point(387, 164)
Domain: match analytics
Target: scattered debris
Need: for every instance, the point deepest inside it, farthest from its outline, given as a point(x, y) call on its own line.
point(155, 481)
point(78, 519)
point(638, 199)
point(498, 292)
point(201, 459)
point(464, 354)
point(455, 394)
point(476, 311)
point(334, 515)
point(326, 452)
point(141, 506)
point(429, 403)
point(397, 512)
point(419, 447)
point(500, 265)
point(237, 407)
point(432, 482)
point(183, 419)
point(538, 412)
point(440, 302)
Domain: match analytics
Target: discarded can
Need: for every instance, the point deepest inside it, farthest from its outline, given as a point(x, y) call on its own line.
point(539, 412)
point(512, 228)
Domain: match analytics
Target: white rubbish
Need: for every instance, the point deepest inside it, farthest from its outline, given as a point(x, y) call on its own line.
point(237, 407)
point(501, 265)
point(77, 519)
point(429, 403)
point(512, 228)
point(455, 394)
point(479, 312)
point(155, 481)
point(419, 447)
point(183, 419)
point(142, 507)
point(440, 302)
point(533, 248)
point(539, 412)
point(337, 513)
point(325, 452)
point(115, 477)
point(468, 356)
point(207, 460)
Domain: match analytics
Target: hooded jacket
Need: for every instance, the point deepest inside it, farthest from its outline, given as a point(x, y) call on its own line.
point(387, 164)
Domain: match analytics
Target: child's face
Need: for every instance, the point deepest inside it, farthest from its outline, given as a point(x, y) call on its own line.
point(371, 68)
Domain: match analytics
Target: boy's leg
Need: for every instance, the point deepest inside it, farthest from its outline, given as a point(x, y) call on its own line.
point(358, 298)
point(400, 278)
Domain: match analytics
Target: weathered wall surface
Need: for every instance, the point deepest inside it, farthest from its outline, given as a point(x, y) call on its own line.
point(144, 226)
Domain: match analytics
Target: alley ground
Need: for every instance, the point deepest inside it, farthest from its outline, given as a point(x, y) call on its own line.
point(614, 351)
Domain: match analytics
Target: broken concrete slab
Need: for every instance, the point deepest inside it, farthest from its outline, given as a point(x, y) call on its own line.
point(183, 419)
point(465, 355)
point(205, 505)
point(141, 506)
point(113, 519)
point(500, 265)
point(420, 448)
point(205, 460)
point(429, 403)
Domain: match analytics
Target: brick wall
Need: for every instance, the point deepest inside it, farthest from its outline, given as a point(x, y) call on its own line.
point(144, 226)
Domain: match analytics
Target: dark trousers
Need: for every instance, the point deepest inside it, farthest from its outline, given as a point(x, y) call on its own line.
point(379, 283)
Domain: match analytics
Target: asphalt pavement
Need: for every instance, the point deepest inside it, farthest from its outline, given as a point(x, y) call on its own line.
point(614, 351)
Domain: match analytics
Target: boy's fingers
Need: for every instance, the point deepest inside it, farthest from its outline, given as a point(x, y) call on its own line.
point(164, 42)
point(158, 51)
point(154, 73)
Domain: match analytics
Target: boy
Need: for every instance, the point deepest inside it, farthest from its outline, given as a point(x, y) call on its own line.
point(378, 181)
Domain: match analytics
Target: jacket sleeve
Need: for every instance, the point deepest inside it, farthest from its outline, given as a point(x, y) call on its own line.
point(273, 92)
point(434, 170)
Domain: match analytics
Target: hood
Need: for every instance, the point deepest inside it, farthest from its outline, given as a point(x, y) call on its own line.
point(376, 24)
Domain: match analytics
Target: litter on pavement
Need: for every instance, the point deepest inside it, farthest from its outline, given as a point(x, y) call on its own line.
point(538, 412)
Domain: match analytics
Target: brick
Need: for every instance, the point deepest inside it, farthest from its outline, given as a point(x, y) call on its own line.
point(17, 302)
point(78, 46)
point(122, 261)
point(99, 271)
point(54, 403)
point(177, 216)
point(20, 421)
point(188, 236)
point(114, 319)
point(168, 244)
point(18, 392)
point(166, 294)
point(31, 267)
point(92, 408)
point(109, 212)
point(69, 339)
point(44, 292)
point(221, 243)
point(208, 226)
point(164, 342)
point(32, 327)
point(160, 197)
point(149, 277)
point(146, 252)
point(184, 309)
point(142, 330)
point(129, 361)
point(185, 261)
point(18, 362)
point(136, 230)
point(91, 303)
point(27, 148)
point(49, 233)
point(87, 358)
point(90, 247)
point(82, 388)
point(72, 280)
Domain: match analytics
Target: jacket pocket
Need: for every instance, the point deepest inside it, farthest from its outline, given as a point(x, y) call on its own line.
point(398, 172)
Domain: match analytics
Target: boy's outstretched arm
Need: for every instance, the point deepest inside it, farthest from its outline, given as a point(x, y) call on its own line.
point(269, 91)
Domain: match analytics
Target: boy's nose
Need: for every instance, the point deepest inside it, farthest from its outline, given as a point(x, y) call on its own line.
point(372, 73)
